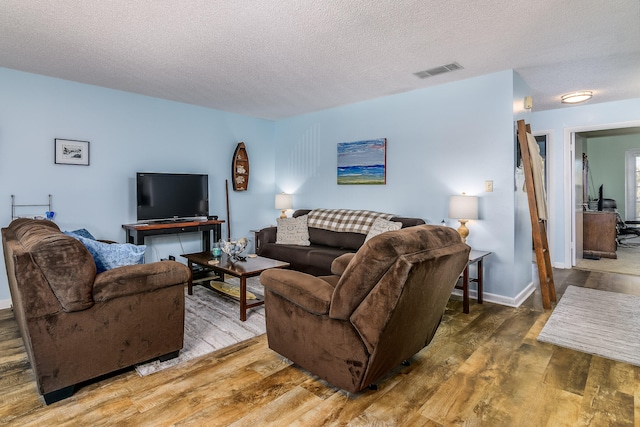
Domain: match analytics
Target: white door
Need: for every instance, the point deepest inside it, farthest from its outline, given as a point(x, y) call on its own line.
point(578, 196)
point(632, 185)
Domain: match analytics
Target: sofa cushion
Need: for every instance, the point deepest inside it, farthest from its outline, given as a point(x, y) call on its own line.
point(380, 226)
point(293, 231)
point(312, 259)
point(333, 239)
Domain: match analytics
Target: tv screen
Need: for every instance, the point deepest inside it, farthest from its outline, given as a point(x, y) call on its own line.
point(171, 196)
point(600, 197)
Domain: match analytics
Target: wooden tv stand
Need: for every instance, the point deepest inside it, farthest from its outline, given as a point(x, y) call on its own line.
point(137, 232)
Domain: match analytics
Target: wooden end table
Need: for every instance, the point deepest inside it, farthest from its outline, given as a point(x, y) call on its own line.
point(475, 257)
point(241, 269)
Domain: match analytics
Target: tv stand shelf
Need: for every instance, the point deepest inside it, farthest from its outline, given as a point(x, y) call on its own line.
point(136, 233)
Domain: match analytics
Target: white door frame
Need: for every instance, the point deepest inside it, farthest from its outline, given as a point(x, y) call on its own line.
point(550, 185)
point(630, 177)
point(569, 185)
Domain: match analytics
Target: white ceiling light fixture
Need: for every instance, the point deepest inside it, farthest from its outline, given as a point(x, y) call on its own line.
point(576, 97)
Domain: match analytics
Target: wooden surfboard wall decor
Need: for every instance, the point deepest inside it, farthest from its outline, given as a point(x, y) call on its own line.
point(240, 168)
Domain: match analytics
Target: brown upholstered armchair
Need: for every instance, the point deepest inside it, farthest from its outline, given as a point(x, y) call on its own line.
point(382, 306)
point(78, 324)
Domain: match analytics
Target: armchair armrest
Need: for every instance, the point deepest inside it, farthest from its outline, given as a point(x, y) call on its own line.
point(339, 265)
point(309, 292)
point(139, 278)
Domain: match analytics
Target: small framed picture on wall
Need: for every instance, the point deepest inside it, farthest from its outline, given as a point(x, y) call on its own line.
point(71, 152)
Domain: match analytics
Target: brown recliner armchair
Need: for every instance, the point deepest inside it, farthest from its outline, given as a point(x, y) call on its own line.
point(382, 306)
point(78, 325)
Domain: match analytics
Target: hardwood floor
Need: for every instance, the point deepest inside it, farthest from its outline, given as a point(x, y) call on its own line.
point(484, 368)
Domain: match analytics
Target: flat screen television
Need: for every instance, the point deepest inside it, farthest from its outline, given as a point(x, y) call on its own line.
point(171, 196)
point(600, 197)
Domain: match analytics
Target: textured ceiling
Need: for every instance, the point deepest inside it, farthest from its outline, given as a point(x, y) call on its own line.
point(275, 59)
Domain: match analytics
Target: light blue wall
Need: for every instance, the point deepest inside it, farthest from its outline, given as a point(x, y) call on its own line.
point(440, 141)
point(522, 243)
point(127, 133)
point(555, 122)
point(607, 158)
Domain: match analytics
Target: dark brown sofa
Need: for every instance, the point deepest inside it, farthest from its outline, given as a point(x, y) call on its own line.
point(325, 246)
point(78, 325)
point(381, 306)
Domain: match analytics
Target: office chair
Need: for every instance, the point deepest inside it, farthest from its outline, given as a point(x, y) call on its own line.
point(625, 230)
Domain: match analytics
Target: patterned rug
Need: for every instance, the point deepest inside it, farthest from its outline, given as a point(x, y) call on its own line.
point(605, 324)
point(212, 322)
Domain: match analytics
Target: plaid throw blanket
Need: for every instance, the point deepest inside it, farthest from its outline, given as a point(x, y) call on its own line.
point(344, 220)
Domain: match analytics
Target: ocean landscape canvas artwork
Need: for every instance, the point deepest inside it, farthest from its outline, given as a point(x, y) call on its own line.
point(362, 162)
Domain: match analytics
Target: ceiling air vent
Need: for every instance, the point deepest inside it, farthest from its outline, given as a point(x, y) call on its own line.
point(438, 70)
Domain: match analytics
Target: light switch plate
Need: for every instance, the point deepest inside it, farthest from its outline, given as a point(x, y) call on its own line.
point(488, 186)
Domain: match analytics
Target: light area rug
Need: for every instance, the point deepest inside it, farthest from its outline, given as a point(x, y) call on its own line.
point(212, 322)
point(592, 321)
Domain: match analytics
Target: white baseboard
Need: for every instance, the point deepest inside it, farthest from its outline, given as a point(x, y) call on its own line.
point(524, 294)
point(501, 299)
point(5, 303)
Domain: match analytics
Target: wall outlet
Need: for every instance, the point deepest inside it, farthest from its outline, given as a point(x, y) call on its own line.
point(488, 186)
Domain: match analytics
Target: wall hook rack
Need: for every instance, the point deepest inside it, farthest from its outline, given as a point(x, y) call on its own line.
point(14, 206)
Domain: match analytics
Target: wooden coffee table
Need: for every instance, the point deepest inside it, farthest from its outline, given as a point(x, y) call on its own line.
point(241, 269)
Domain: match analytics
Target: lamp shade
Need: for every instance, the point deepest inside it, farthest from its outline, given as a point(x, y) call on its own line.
point(284, 201)
point(463, 207)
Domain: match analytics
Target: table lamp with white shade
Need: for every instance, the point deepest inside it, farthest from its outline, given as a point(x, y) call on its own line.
point(283, 202)
point(463, 208)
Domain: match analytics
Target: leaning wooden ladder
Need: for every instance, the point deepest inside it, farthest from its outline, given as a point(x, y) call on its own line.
point(538, 226)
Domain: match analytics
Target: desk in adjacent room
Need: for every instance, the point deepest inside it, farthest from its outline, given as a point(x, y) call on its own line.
point(599, 234)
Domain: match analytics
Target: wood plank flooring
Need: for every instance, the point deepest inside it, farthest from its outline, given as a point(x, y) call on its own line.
point(482, 369)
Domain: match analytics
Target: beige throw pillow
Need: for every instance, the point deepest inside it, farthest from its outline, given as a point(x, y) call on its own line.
point(293, 231)
point(380, 226)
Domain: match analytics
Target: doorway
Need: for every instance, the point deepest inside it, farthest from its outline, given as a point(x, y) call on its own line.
point(614, 188)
